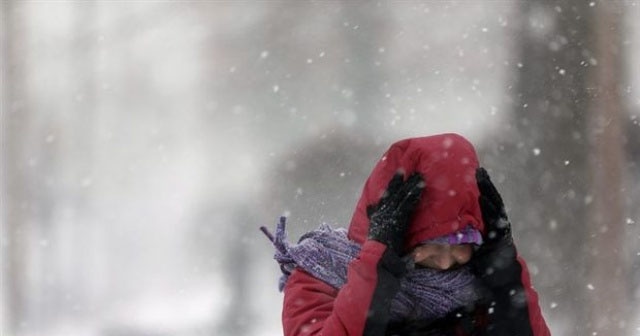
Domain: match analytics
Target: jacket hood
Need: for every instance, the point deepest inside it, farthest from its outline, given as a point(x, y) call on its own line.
point(449, 202)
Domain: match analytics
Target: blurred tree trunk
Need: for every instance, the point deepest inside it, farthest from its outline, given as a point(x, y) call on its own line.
point(79, 239)
point(16, 119)
point(238, 316)
point(546, 153)
point(606, 227)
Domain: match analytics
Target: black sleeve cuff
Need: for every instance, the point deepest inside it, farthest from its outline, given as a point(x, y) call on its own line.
point(390, 269)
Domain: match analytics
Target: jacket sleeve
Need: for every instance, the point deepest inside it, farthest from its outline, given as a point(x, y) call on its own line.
point(538, 324)
point(514, 308)
point(360, 307)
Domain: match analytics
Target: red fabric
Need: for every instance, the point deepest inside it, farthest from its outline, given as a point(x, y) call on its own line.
point(312, 307)
point(449, 202)
point(538, 325)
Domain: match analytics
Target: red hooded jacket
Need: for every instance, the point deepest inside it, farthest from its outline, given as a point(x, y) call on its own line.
point(449, 202)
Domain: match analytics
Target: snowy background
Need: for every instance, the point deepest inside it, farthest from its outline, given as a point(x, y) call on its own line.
point(144, 143)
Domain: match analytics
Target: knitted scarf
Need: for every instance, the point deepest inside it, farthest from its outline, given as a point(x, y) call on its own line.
point(425, 294)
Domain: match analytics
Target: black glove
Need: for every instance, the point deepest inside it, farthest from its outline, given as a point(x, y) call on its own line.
point(493, 260)
point(495, 264)
point(389, 219)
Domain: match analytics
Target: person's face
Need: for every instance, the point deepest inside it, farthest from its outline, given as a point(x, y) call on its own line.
point(442, 256)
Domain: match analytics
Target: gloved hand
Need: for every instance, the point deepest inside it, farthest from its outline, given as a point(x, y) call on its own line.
point(496, 265)
point(389, 219)
point(493, 260)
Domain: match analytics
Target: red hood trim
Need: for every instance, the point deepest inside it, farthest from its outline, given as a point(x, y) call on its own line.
point(449, 201)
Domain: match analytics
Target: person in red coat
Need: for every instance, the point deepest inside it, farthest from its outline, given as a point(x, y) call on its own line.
point(429, 251)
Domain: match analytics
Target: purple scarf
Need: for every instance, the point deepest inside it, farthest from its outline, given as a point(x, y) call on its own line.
point(425, 294)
